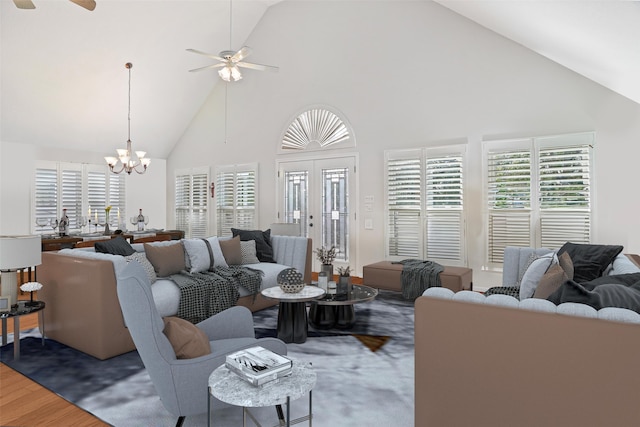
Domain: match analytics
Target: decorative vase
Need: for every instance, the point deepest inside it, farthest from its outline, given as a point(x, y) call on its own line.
point(344, 284)
point(328, 269)
point(107, 232)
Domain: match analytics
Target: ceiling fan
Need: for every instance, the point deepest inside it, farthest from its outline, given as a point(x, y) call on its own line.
point(229, 63)
point(230, 60)
point(28, 4)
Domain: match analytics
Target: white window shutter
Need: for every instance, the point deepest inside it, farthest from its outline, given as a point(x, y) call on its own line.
point(236, 197)
point(444, 194)
point(46, 193)
point(191, 202)
point(404, 204)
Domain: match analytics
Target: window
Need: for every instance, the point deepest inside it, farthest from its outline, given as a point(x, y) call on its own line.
point(76, 188)
point(191, 203)
point(425, 209)
point(236, 198)
point(538, 192)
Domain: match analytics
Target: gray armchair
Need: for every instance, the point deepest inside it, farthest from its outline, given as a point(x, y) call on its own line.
point(182, 383)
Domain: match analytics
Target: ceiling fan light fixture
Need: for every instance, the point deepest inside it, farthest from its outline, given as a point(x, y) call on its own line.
point(129, 163)
point(230, 73)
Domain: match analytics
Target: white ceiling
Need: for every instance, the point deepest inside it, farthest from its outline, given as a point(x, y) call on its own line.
point(64, 82)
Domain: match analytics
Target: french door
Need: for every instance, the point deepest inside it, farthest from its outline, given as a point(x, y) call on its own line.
point(317, 195)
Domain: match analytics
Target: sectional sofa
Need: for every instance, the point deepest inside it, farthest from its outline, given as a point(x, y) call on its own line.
point(82, 308)
point(503, 361)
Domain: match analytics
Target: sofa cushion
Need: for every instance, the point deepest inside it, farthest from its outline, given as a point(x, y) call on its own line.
point(248, 252)
point(231, 251)
point(141, 258)
point(534, 272)
point(166, 259)
point(115, 246)
point(187, 340)
point(264, 250)
point(589, 261)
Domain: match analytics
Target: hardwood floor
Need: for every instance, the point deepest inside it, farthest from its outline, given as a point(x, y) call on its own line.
point(24, 402)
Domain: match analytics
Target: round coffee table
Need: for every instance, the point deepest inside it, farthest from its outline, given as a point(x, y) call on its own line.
point(336, 311)
point(228, 387)
point(292, 311)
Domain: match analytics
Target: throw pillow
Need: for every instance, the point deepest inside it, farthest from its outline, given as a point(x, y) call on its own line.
point(589, 261)
point(166, 259)
point(534, 273)
point(203, 255)
point(567, 265)
point(264, 250)
point(248, 252)
point(231, 251)
point(146, 265)
point(115, 246)
point(187, 340)
point(550, 282)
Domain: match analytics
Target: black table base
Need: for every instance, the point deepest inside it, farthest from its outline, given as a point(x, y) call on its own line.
point(332, 316)
point(292, 322)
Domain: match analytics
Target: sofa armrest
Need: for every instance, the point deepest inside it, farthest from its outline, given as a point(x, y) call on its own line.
point(295, 252)
point(82, 307)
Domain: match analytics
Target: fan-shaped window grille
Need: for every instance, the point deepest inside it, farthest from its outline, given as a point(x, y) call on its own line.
point(319, 126)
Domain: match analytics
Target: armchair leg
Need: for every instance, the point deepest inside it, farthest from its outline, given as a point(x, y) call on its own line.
point(280, 414)
point(180, 421)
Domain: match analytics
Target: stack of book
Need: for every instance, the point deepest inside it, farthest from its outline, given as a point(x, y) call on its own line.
point(257, 365)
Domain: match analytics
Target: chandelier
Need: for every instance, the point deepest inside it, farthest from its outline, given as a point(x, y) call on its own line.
point(128, 160)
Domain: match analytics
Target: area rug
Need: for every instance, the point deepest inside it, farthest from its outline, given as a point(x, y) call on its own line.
point(365, 375)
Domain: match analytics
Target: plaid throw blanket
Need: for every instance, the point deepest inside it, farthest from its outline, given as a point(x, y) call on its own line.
point(204, 294)
point(418, 275)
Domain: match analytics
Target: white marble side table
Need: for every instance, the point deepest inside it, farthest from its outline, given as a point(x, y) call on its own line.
point(292, 311)
point(228, 387)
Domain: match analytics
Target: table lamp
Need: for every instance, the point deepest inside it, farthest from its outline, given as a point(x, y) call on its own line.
point(17, 253)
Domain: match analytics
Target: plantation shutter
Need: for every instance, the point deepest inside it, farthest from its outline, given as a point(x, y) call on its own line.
point(182, 202)
point(508, 199)
point(97, 194)
point(72, 196)
point(538, 192)
point(46, 193)
point(404, 204)
point(444, 195)
point(199, 212)
point(117, 197)
point(236, 198)
point(565, 192)
point(191, 202)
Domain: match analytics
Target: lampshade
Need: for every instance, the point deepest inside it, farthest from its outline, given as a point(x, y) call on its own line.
point(17, 252)
point(20, 252)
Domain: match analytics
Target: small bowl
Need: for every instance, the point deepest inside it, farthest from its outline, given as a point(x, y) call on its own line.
point(291, 288)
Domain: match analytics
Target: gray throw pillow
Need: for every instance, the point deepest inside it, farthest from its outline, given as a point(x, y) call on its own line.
point(533, 274)
point(115, 246)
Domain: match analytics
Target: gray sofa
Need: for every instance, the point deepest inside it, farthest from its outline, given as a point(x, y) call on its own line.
point(82, 308)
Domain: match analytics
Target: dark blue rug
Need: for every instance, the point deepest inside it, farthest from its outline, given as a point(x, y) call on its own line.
point(68, 372)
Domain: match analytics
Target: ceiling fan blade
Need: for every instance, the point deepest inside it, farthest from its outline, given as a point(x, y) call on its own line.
point(208, 55)
point(208, 67)
point(24, 4)
point(241, 54)
point(260, 67)
point(87, 4)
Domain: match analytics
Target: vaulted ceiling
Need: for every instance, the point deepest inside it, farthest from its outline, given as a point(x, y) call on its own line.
point(63, 81)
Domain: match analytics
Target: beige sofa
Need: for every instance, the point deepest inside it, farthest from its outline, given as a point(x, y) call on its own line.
point(499, 361)
point(82, 308)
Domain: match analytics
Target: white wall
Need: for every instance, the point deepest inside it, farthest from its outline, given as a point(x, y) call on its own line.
point(412, 74)
point(18, 169)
